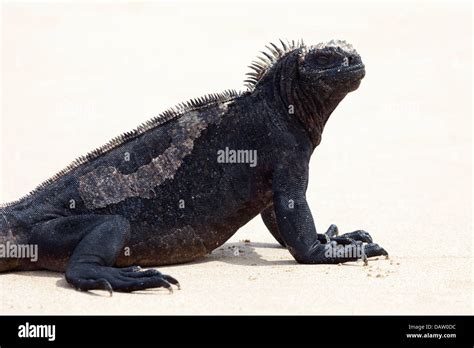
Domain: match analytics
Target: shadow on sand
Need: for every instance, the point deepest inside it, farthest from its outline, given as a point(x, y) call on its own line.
point(239, 253)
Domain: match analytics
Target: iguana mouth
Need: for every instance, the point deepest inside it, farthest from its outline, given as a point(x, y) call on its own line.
point(355, 67)
point(358, 69)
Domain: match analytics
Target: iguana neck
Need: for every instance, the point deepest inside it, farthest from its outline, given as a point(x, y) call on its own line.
point(310, 108)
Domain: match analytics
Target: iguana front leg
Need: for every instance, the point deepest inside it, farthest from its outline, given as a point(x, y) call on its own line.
point(269, 219)
point(295, 222)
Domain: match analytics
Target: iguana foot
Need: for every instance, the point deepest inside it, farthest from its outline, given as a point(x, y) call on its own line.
point(332, 234)
point(356, 238)
point(87, 276)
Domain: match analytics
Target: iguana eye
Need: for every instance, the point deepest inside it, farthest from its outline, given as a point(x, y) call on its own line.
point(322, 59)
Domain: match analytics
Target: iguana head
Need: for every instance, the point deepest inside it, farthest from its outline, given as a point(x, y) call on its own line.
point(332, 67)
point(310, 80)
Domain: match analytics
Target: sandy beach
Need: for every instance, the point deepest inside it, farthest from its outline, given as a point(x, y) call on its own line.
point(395, 159)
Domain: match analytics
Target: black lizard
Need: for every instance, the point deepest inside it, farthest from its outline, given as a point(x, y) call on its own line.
point(183, 183)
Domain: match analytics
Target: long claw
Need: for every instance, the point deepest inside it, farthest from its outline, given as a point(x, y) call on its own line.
point(365, 259)
point(171, 280)
point(103, 284)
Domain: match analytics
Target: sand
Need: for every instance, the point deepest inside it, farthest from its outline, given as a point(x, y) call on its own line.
point(395, 158)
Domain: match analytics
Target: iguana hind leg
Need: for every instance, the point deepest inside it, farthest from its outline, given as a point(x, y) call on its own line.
point(91, 244)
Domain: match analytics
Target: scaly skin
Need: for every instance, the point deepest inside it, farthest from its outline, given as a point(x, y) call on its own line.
point(159, 195)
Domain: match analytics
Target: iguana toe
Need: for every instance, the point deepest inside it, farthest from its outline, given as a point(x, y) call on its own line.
point(373, 249)
point(332, 231)
point(359, 235)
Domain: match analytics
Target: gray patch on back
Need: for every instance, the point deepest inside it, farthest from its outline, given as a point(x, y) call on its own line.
point(107, 185)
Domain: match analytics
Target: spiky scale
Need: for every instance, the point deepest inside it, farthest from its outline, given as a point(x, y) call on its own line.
point(256, 68)
point(273, 52)
point(277, 49)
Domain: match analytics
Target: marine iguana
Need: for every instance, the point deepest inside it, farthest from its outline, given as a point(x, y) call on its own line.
point(158, 195)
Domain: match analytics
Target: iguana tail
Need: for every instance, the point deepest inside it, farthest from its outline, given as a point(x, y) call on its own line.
point(7, 262)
